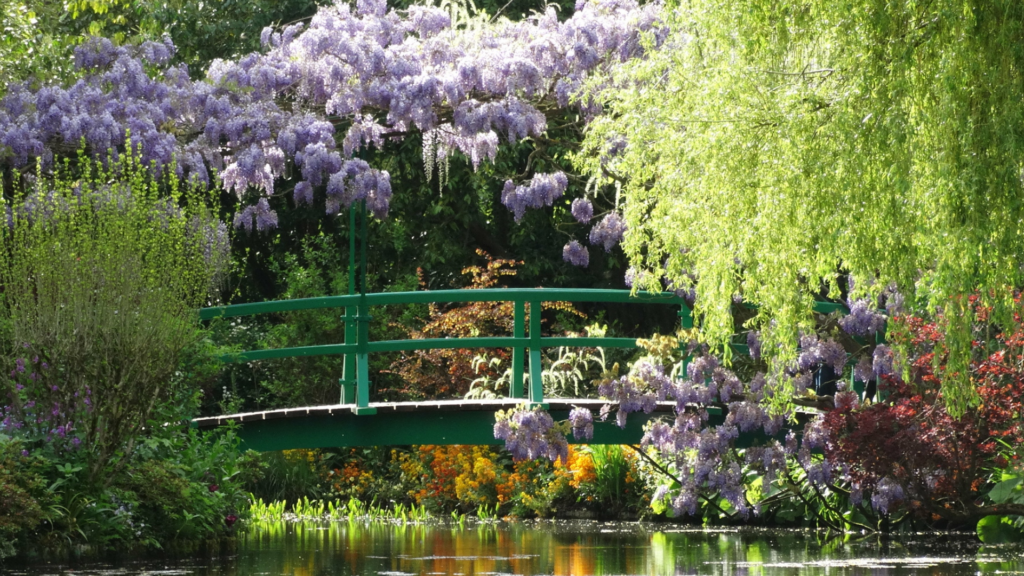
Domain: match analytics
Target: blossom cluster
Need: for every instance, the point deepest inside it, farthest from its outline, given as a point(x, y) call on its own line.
point(377, 73)
point(542, 191)
point(815, 352)
point(531, 433)
point(862, 319)
point(37, 409)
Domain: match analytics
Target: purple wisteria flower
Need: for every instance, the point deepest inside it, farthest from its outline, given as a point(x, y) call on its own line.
point(754, 344)
point(863, 371)
point(256, 118)
point(608, 232)
point(886, 495)
point(576, 254)
point(582, 422)
point(542, 191)
point(582, 210)
point(862, 319)
point(882, 361)
point(531, 433)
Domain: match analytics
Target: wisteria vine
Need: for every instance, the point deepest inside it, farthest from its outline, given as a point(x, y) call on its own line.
point(320, 93)
point(698, 454)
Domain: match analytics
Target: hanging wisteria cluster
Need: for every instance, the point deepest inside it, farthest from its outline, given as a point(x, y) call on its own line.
point(698, 451)
point(376, 74)
point(531, 433)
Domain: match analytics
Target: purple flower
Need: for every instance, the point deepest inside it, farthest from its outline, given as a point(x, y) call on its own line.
point(815, 434)
point(833, 354)
point(630, 277)
point(576, 254)
point(887, 494)
point(862, 320)
point(881, 361)
point(582, 210)
point(754, 344)
point(542, 191)
point(863, 372)
point(608, 232)
point(701, 368)
point(582, 423)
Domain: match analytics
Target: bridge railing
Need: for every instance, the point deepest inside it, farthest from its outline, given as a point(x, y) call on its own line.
point(526, 341)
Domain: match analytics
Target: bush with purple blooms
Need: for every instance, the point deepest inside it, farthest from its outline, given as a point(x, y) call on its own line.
point(161, 498)
point(839, 466)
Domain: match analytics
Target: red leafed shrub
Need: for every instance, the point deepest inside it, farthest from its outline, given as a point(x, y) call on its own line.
point(941, 463)
point(447, 373)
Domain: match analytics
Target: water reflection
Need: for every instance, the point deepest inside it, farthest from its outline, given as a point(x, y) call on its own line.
point(577, 549)
point(599, 549)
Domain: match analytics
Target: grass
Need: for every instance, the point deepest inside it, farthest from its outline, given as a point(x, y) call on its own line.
point(353, 510)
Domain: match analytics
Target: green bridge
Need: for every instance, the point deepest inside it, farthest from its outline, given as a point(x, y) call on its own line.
point(355, 421)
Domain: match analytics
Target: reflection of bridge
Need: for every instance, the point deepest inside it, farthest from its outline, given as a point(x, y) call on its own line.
point(437, 422)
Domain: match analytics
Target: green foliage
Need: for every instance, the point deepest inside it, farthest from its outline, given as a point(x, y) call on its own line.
point(23, 492)
point(998, 530)
point(1008, 489)
point(102, 270)
point(612, 470)
point(29, 46)
point(290, 476)
point(180, 488)
point(775, 145)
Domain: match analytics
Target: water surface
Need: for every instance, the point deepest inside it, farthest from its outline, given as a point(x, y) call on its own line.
point(571, 548)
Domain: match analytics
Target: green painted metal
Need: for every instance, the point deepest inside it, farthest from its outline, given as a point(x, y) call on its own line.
point(536, 368)
point(348, 380)
point(518, 351)
point(426, 344)
point(526, 344)
point(444, 297)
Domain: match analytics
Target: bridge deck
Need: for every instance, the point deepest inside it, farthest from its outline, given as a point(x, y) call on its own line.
point(457, 405)
point(406, 423)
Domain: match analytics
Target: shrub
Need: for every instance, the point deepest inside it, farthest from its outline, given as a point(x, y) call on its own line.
point(102, 268)
point(22, 487)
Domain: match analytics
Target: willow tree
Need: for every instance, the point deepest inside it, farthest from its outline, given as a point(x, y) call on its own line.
point(774, 146)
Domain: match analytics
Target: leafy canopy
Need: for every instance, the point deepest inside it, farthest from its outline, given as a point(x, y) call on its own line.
point(774, 146)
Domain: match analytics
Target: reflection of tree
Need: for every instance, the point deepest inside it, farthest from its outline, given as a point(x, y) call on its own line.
point(313, 548)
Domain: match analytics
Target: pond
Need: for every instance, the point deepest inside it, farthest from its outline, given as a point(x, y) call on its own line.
point(571, 548)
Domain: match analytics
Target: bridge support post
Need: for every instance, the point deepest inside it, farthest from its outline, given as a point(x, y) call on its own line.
point(518, 351)
point(686, 323)
point(362, 319)
point(348, 379)
point(536, 368)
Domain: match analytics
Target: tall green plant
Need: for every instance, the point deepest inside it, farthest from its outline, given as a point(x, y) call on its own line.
point(102, 269)
point(775, 145)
